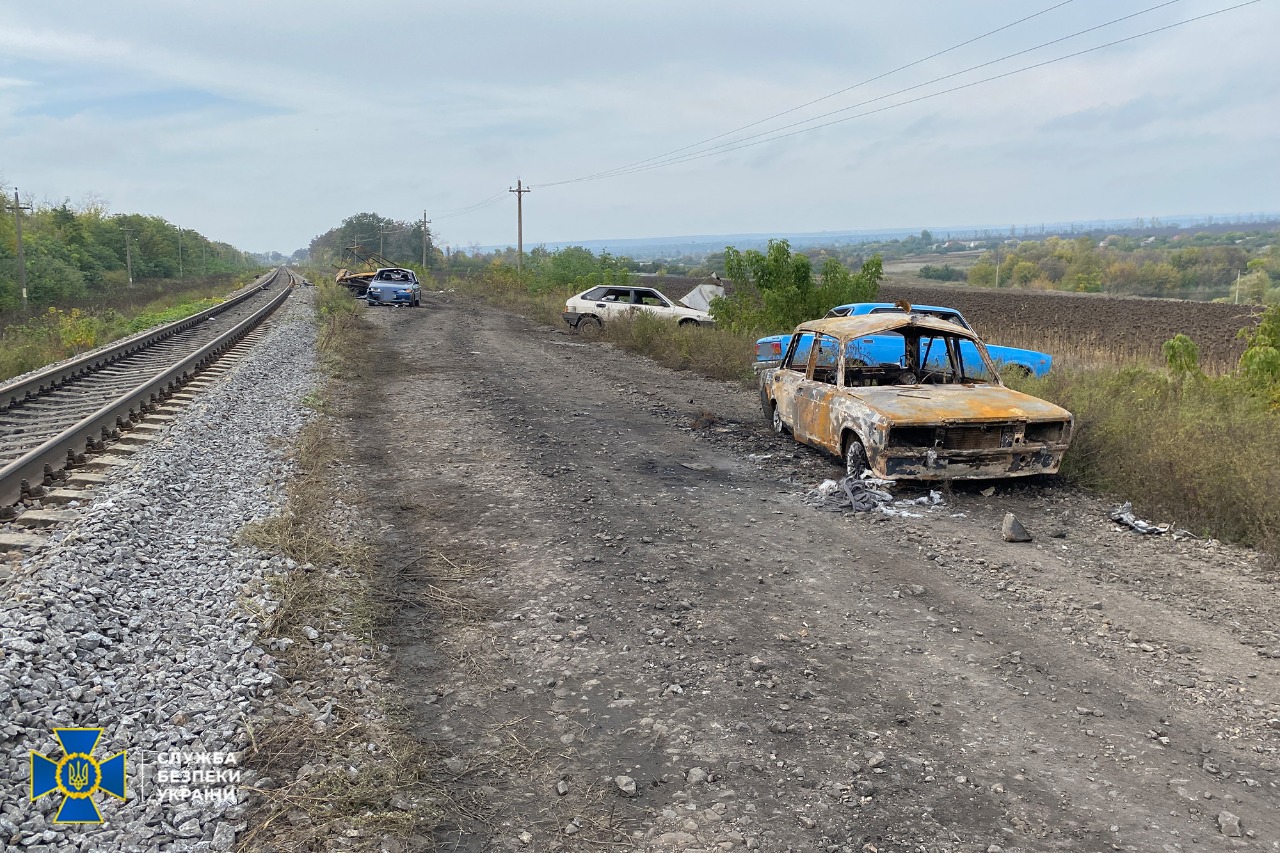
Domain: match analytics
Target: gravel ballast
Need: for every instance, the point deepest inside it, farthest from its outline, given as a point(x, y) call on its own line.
point(134, 620)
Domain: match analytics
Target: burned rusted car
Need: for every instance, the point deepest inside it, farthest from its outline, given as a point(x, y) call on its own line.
point(938, 413)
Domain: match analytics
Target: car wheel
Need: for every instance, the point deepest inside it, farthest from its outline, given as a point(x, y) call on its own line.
point(855, 457)
point(1017, 371)
point(688, 322)
point(779, 427)
point(589, 326)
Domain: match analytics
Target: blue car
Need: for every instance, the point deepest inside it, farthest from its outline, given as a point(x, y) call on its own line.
point(885, 349)
point(394, 286)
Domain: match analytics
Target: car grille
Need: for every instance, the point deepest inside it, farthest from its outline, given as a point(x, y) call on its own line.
point(993, 436)
point(978, 437)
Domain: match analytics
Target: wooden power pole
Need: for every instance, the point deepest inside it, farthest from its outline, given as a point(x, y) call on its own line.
point(18, 207)
point(128, 255)
point(425, 223)
point(519, 190)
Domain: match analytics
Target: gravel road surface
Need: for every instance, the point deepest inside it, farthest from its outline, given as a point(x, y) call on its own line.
point(674, 651)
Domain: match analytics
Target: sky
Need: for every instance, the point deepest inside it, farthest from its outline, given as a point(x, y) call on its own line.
point(266, 122)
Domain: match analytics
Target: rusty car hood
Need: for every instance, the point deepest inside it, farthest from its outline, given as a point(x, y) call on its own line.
point(933, 404)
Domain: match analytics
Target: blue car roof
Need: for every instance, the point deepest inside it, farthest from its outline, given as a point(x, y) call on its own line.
point(868, 307)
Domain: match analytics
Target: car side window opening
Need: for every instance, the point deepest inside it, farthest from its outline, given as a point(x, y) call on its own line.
point(650, 297)
point(615, 294)
point(595, 294)
point(798, 354)
point(825, 362)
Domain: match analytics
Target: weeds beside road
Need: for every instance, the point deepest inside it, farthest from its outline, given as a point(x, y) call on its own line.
point(59, 333)
point(341, 764)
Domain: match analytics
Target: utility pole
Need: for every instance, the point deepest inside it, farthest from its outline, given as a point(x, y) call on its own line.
point(179, 253)
point(520, 190)
point(425, 223)
point(380, 233)
point(18, 207)
point(128, 256)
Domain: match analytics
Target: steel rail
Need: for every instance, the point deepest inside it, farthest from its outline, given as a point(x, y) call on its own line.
point(58, 375)
point(62, 450)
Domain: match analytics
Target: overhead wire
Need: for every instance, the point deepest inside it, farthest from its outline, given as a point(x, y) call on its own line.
point(645, 165)
point(798, 127)
point(866, 82)
point(494, 199)
point(471, 208)
point(969, 85)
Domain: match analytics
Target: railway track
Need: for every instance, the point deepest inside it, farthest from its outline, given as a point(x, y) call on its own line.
point(53, 421)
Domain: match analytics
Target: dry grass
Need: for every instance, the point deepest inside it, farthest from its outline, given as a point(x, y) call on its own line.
point(1197, 452)
point(346, 769)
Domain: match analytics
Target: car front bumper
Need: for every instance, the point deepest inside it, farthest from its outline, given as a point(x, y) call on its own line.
point(389, 298)
point(898, 463)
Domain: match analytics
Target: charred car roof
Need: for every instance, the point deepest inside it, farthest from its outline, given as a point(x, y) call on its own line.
point(862, 325)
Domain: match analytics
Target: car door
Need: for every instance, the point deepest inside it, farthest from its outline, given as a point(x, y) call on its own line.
point(613, 303)
point(648, 299)
point(790, 375)
point(813, 418)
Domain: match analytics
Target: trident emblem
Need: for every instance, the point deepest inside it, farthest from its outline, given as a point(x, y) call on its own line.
point(77, 776)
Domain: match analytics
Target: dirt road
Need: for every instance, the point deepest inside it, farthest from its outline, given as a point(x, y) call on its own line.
point(635, 588)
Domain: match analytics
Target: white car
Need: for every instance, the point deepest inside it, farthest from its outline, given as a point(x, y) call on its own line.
point(591, 308)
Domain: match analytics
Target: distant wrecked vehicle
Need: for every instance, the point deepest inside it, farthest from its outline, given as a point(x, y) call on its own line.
point(1009, 359)
point(591, 308)
point(394, 286)
point(936, 412)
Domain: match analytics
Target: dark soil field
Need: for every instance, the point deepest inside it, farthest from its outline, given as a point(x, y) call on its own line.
point(1088, 327)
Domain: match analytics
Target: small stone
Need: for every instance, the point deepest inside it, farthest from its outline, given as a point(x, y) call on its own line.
point(310, 633)
point(695, 776)
point(562, 787)
point(571, 829)
point(875, 759)
point(1229, 824)
point(1012, 530)
point(455, 765)
point(757, 665)
point(526, 838)
point(224, 836)
point(626, 785)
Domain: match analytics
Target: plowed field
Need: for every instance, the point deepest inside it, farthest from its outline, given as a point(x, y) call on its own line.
point(1087, 326)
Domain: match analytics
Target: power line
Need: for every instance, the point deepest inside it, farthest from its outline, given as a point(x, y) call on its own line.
point(497, 197)
point(461, 211)
point(961, 87)
point(869, 80)
point(736, 144)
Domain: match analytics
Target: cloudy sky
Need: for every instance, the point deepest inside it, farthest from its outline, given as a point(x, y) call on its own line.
point(265, 123)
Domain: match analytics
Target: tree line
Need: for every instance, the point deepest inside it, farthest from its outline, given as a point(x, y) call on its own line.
point(1226, 267)
point(75, 253)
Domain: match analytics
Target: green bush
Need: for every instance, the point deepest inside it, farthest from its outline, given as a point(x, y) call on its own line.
point(777, 290)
